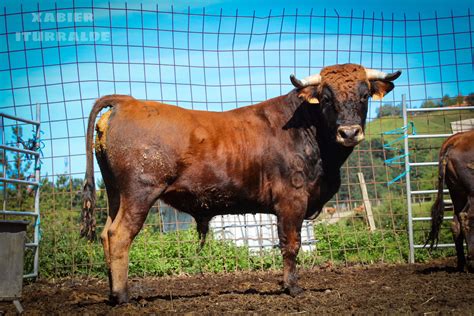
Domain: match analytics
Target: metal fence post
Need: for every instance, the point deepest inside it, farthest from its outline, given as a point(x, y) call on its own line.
point(411, 258)
point(36, 238)
point(36, 153)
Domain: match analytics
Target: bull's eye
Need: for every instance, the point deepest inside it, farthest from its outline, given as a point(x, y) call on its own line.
point(364, 97)
point(326, 100)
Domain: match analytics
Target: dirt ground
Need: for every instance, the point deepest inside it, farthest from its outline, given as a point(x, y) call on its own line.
point(422, 288)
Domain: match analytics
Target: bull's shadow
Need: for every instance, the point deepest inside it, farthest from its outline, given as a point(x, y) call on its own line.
point(171, 297)
point(448, 267)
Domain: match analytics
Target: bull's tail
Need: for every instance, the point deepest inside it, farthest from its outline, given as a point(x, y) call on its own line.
point(437, 210)
point(88, 222)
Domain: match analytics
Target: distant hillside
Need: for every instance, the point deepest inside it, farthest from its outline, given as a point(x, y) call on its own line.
point(370, 155)
point(425, 122)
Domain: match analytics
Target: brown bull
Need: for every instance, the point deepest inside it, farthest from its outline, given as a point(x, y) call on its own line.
point(281, 156)
point(456, 169)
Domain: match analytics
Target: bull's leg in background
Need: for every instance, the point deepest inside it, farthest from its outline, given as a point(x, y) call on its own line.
point(104, 236)
point(459, 202)
point(113, 198)
point(114, 205)
point(290, 217)
point(467, 227)
point(202, 226)
point(459, 242)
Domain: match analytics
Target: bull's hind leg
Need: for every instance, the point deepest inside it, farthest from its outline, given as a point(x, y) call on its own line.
point(126, 225)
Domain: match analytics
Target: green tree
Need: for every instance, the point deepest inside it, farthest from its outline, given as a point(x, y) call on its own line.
point(469, 99)
point(446, 100)
point(430, 104)
point(67, 191)
point(389, 110)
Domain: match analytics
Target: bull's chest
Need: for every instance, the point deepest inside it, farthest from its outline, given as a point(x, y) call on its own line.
point(308, 173)
point(305, 170)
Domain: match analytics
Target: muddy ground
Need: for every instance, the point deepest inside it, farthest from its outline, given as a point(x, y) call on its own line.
point(422, 288)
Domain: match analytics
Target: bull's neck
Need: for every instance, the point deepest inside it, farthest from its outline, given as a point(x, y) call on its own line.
point(333, 155)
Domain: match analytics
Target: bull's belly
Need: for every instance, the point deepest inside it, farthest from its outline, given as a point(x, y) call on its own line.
point(212, 203)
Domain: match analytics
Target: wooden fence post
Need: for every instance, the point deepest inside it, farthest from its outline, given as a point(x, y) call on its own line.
point(367, 204)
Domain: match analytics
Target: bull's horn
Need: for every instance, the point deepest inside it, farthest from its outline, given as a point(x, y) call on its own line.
point(377, 74)
point(308, 81)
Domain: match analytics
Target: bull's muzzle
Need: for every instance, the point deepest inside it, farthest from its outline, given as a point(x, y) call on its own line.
point(350, 135)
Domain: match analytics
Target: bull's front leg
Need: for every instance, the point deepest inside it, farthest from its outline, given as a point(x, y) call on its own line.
point(289, 233)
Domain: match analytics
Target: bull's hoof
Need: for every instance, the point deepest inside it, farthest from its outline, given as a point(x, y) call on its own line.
point(470, 266)
point(293, 291)
point(460, 268)
point(118, 298)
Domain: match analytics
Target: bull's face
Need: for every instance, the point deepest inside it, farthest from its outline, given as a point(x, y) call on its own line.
point(342, 92)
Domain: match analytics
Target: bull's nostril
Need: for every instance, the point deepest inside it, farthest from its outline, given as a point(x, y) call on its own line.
point(350, 132)
point(343, 133)
point(350, 135)
point(347, 133)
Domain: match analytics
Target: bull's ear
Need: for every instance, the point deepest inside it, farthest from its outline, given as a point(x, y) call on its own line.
point(379, 88)
point(309, 94)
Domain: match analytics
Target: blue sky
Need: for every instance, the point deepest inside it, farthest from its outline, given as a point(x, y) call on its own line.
point(262, 7)
point(224, 55)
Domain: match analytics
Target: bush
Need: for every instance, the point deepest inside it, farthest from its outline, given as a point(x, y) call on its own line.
point(351, 241)
point(63, 253)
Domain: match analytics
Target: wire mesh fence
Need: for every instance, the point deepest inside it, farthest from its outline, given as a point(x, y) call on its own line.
point(66, 57)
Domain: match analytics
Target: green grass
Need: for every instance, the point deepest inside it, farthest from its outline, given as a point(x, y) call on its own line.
point(63, 253)
point(438, 122)
point(351, 242)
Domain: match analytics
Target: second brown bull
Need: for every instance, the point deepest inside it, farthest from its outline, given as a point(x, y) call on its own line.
point(456, 170)
point(281, 156)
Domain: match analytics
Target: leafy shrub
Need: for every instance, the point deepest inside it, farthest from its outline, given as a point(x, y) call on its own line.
point(351, 241)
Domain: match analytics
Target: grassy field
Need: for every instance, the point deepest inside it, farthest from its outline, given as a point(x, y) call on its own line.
point(428, 122)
